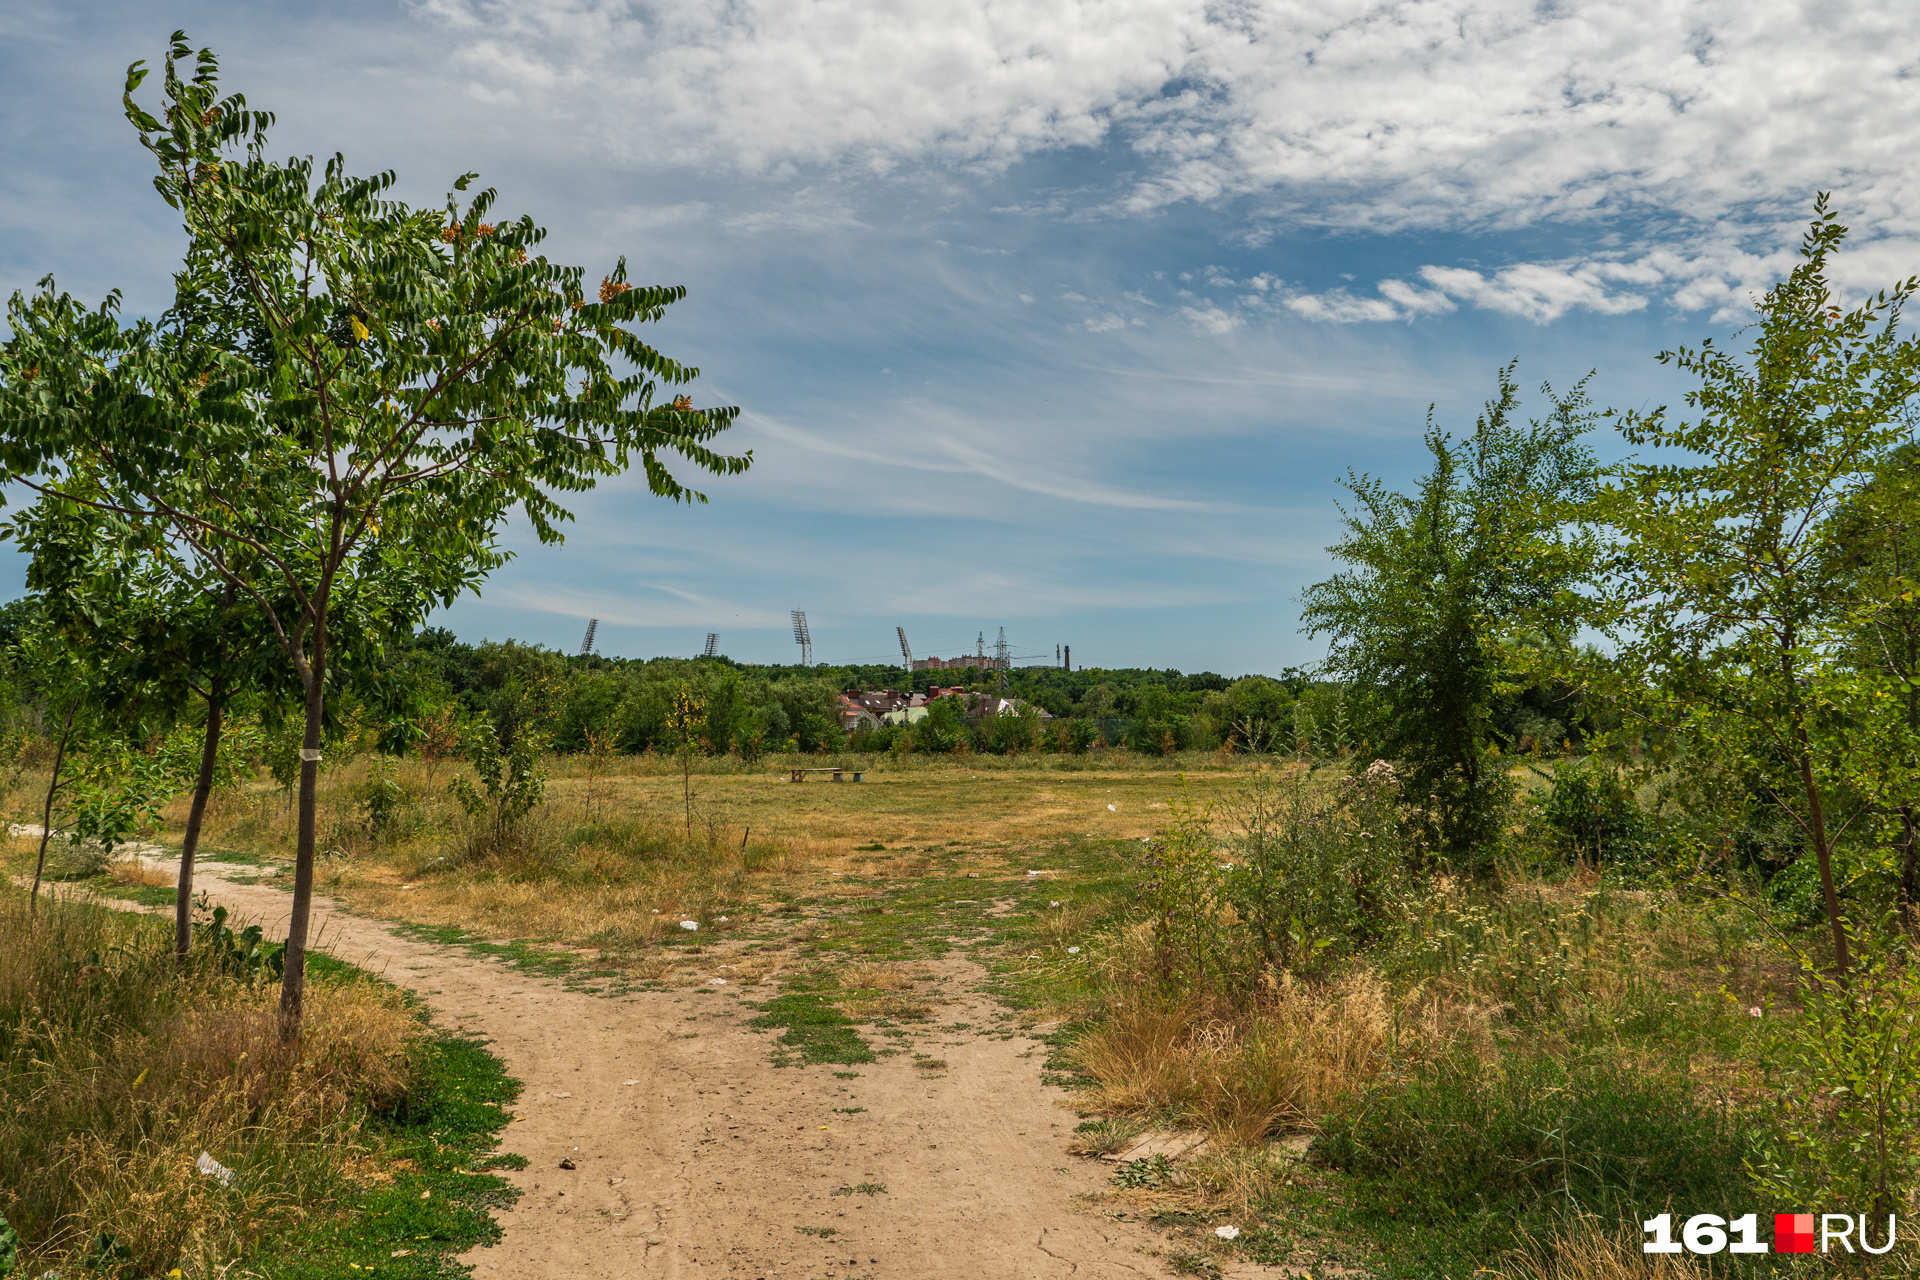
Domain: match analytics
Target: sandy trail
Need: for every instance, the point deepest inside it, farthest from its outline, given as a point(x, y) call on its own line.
point(695, 1157)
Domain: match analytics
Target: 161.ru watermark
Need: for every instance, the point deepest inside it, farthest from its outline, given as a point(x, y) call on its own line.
point(1792, 1233)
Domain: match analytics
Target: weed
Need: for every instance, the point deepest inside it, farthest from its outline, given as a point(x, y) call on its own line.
point(1477, 1154)
point(822, 1232)
point(861, 1189)
point(1150, 1173)
point(1191, 1262)
point(117, 1070)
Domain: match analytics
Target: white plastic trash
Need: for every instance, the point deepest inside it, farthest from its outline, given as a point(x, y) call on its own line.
point(689, 925)
point(1227, 1233)
point(214, 1169)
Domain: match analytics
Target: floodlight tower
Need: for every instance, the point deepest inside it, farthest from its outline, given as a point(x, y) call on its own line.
point(713, 644)
point(801, 638)
point(906, 658)
point(586, 645)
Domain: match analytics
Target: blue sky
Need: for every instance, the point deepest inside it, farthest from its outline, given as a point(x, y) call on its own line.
point(1060, 317)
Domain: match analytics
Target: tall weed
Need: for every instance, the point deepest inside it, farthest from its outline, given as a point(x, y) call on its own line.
point(117, 1071)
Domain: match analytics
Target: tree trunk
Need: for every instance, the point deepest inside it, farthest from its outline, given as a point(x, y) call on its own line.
point(46, 814)
point(1909, 865)
point(1817, 825)
point(294, 977)
point(189, 843)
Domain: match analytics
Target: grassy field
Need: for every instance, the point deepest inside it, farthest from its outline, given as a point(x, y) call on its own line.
point(1510, 1078)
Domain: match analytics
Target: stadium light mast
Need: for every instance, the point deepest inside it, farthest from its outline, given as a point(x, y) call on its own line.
point(586, 645)
point(713, 644)
point(802, 638)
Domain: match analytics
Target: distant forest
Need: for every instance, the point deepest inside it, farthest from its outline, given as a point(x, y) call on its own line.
point(752, 708)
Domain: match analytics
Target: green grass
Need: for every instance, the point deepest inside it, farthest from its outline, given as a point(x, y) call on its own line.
point(1448, 1169)
point(412, 1227)
point(816, 1030)
point(573, 971)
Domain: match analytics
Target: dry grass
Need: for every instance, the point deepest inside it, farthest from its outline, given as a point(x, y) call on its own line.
point(132, 871)
point(888, 991)
point(1584, 1249)
point(609, 884)
point(116, 1073)
point(1279, 1063)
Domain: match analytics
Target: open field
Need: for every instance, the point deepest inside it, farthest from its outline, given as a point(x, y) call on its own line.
point(921, 927)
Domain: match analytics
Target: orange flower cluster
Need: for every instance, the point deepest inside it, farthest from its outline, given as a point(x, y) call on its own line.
point(683, 403)
point(609, 290)
point(453, 234)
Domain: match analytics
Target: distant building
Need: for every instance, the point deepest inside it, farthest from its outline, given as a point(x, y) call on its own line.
point(983, 707)
point(884, 706)
point(983, 662)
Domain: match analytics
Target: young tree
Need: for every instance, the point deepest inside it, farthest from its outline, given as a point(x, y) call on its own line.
point(181, 639)
point(1484, 550)
point(1727, 571)
point(346, 399)
point(1873, 684)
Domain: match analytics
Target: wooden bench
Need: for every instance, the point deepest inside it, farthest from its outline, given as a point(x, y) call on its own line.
point(800, 774)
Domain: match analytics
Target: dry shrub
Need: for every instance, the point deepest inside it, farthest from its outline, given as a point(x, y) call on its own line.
point(136, 871)
point(1280, 1063)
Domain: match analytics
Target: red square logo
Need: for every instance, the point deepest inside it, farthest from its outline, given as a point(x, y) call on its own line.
point(1793, 1233)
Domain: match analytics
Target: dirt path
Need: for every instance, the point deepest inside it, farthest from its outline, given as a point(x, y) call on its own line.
point(695, 1157)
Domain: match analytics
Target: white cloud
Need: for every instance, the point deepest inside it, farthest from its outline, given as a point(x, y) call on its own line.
point(1211, 319)
point(1340, 307)
point(1695, 276)
point(1483, 113)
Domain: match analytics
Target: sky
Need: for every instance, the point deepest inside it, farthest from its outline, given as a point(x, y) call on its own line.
point(1062, 317)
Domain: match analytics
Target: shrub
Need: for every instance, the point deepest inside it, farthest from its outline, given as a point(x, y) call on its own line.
point(1533, 1136)
point(1849, 1132)
point(1314, 866)
point(1592, 814)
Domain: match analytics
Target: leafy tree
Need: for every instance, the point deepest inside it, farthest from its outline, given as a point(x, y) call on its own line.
point(346, 398)
point(1727, 569)
point(1439, 579)
point(1875, 548)
point(179, 640)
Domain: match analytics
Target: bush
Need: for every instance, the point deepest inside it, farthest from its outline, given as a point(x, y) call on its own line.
point(1521, 1141)
point(1314, 866)
point(1592, 814)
